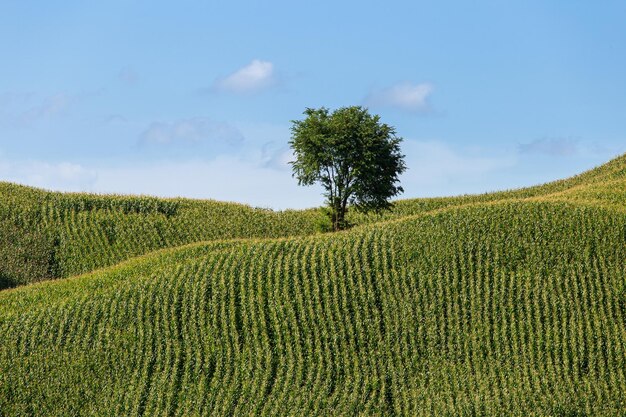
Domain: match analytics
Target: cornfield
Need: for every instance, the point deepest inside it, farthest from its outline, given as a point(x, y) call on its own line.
point(61, 235)
point(511, 303)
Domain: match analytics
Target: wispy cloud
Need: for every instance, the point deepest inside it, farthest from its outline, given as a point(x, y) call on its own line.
point(12, 98)
point(226, 178)
point(116, 119)
point(256, 76)
point(278, 159)
point(191, 131)
point(50, 106)
point(435, 160)
point(551, 146)
point(66, 176)
point(436, 168)
point(26, 109)
point(404, 96)
point(128, 76)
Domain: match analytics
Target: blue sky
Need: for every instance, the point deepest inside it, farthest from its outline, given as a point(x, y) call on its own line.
point(195, 99)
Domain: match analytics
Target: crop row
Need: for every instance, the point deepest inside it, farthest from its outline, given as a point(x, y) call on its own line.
point(507, 309)
point(78, 233)
point(46, 235)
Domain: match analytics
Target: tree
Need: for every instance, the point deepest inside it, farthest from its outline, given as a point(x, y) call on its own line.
point(356, 158)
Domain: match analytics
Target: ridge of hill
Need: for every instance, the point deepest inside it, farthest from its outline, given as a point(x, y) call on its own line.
point(46, 235)
point(612, 172)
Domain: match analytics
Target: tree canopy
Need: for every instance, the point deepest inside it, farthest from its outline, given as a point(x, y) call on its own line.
point(355, 157)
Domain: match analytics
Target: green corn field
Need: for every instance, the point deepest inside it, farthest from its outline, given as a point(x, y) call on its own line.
point(60, 235)
point(502, 304)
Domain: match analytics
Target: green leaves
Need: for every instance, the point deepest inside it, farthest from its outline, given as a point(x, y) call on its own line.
point(356, 158)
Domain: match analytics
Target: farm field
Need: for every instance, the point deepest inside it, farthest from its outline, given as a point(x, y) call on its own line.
point(59, 235)
point(510, 303)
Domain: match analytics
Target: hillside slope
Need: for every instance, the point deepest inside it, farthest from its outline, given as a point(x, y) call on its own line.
point(514, 306)
point(46, 235)
point(613, 172)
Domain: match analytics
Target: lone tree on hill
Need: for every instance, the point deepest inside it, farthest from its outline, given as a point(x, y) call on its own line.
point(356, 158)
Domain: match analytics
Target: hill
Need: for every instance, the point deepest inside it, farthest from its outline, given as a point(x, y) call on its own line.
point(511, 303)
point(604, 176)
point(46, 235)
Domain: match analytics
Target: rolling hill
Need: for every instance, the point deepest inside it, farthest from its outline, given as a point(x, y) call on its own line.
point(46, 235)
point(509, 303)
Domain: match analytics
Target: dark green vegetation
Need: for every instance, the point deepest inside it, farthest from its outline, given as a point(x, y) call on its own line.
point(510, 303)
point(354, 156)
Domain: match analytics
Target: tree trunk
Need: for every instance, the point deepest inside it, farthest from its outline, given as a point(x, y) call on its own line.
point(341, 219)
point(337, 214)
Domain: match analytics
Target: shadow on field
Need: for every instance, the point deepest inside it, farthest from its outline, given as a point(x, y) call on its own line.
point(6, 282)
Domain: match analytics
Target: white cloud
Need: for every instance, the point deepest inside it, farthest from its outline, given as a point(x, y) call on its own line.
point(65, 176)
point(267, 143)
point(403, 96)
point(190, 130)
point(278, 159)
point(254, 77)
point(551, 146)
